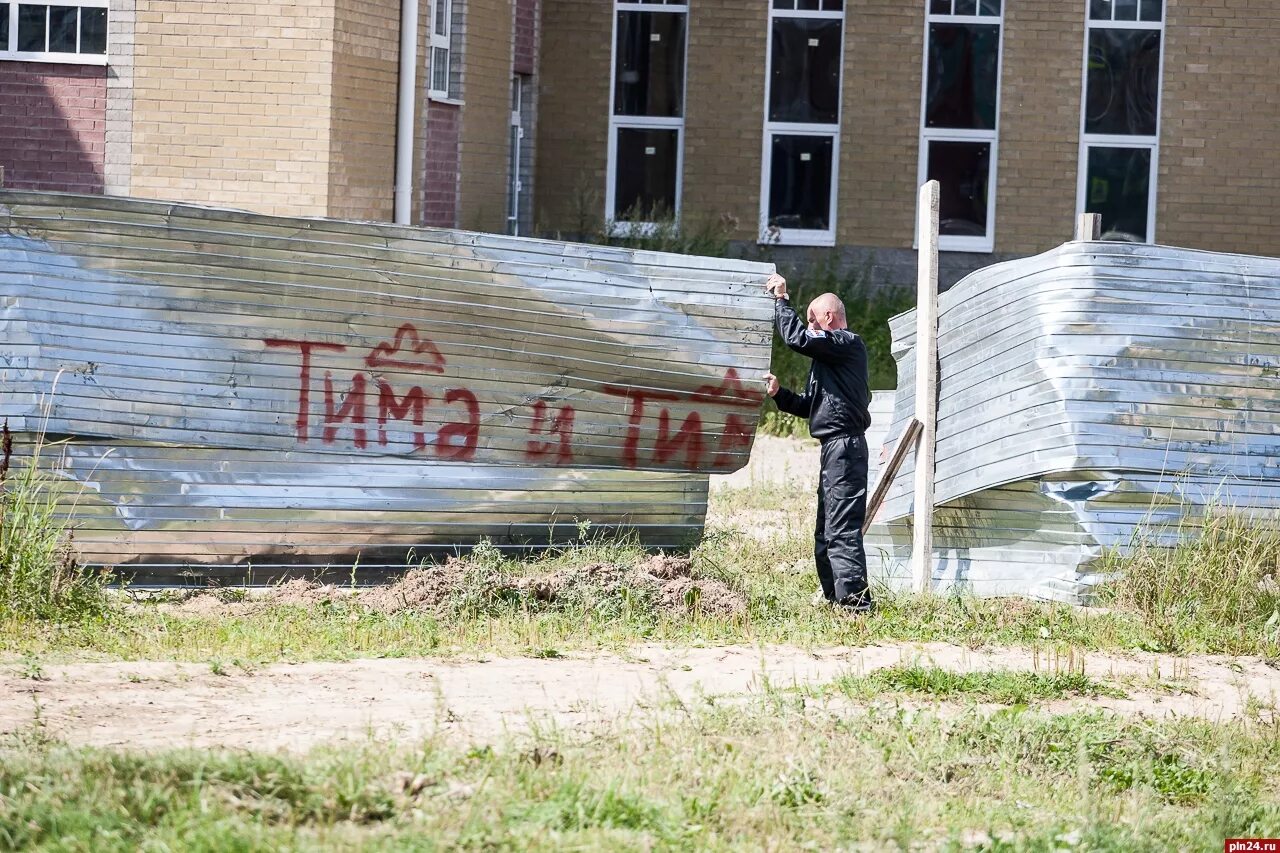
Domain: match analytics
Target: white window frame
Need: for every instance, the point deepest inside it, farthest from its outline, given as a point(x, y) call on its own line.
point(954, 242)
point(799, 236)
point(617, 122)
point(9, 52)
point(1105, 140)
point(440, 41)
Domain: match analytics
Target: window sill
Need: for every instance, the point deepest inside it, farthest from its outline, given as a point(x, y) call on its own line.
point(442, 99)
point(55, 58)
point(798, 238)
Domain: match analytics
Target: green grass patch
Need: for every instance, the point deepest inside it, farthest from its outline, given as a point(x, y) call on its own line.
point(1006, 687)
point(770, 774)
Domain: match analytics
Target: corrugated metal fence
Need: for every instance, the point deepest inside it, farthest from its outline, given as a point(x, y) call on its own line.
point(243, 389)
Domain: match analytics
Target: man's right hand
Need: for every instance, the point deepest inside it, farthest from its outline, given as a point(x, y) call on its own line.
point(777, 286)
point(771, 384)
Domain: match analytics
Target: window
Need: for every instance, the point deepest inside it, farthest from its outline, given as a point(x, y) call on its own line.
point(960, 118)
point(1120, 119)
point(802, 122)
point(646, 122)
point(441, 55)
point(72, 31)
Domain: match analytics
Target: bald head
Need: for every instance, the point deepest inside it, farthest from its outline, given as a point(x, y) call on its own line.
point(826, 312)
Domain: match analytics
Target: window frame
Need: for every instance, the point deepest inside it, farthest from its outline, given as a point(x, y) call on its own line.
point(800, 236)
point(515, 158)
point(616, 227)
point(440, 41)
point(1112, 140)
point(953, 242)
point(14, 55)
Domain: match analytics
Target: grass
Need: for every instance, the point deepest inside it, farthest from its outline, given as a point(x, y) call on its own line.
point(1005, 687)
point(1218, 580)
point(771, 773)
point(39, 577)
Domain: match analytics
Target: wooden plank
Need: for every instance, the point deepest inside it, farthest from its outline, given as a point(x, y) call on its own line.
point(1089, 227)
point(926, 395)
point(907, 441)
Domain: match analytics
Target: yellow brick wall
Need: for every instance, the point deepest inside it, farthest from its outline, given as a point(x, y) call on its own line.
point(365, 75)
point(231, 103)
point(724, 113)
point(1039, 125)
point(573, 114)
point(1219, 169)
point(486, 118)
point(880, 105)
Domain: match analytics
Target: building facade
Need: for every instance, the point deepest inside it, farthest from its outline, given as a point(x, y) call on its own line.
point(278, 107)
point(804, 125)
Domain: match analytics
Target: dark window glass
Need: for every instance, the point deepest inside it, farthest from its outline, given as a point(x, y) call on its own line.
point(962, 168)
point(989, 7)
point(31, 28)
point(93, 30)
point(963, 69)
point(940, 7)
point(1118, 184)
point(4, 26)
point(62, 29)
point(805, 71)
point(1124, 82)
point(966, 7)
point(650, 74)
point(1100, 10)
point(1152, 10)
point(807, 5)
point(832, 5)
point(1126, 10)
point(645, 190)
point(800, 182)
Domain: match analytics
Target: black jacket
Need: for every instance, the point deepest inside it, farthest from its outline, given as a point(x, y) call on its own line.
point(837, 396)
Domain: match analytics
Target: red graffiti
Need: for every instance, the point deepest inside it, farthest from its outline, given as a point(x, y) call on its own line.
point(304, 376)
point(631, 446)
point(389, 406)
point(666, 446)
point(352, 409)
point(459, 440)
point(408, 351)
point(561, 425)
point(736, 437)
point(730, 392)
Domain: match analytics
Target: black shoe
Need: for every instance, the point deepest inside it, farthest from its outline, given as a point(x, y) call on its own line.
point(856, 605)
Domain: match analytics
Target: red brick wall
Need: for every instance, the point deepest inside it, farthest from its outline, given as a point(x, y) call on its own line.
point(53, 129)
point(440, 185)
point(526, 36)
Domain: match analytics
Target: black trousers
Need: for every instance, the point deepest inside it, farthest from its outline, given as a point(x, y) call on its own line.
point(842, 505)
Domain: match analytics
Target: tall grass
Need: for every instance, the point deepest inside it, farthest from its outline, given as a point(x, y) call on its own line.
point(1217, 577)
point(39, 575)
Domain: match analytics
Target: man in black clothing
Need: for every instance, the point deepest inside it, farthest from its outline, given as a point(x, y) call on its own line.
point(835, 401)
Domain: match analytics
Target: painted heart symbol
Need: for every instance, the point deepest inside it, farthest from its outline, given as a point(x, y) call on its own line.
point(408, 351)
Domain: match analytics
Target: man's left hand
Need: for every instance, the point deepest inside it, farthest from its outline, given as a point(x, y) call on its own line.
point(777, 286)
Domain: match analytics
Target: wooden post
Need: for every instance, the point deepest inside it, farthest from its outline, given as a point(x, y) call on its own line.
point(1089, 226)
point(1, 177)
point(926, 386)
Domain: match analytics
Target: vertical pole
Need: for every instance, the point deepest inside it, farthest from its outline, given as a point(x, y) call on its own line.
point(1089, 226)
point(926, 394)
point(406, 98)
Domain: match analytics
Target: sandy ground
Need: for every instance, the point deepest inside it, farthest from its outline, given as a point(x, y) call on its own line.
point(295, 706)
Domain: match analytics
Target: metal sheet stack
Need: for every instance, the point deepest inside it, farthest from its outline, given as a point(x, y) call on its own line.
point(241, 390)
point(1095, 393)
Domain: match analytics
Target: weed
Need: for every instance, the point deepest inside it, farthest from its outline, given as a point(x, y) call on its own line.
point(1008, 687)
point(39, 576)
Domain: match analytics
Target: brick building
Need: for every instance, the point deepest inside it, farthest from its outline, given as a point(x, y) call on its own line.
point(278, 107)
point(808, 123)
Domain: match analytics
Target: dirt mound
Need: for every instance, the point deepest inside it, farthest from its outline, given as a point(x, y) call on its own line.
point(424, 588)
point(667, 566)
point(303, 592)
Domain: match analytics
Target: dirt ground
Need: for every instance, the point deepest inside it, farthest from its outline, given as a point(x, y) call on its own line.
point(295, 706)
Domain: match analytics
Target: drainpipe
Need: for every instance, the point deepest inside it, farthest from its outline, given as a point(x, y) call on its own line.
point(408, 90)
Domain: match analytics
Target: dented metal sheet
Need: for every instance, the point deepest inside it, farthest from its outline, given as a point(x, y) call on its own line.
point(1086, 394)
point(243, 388)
